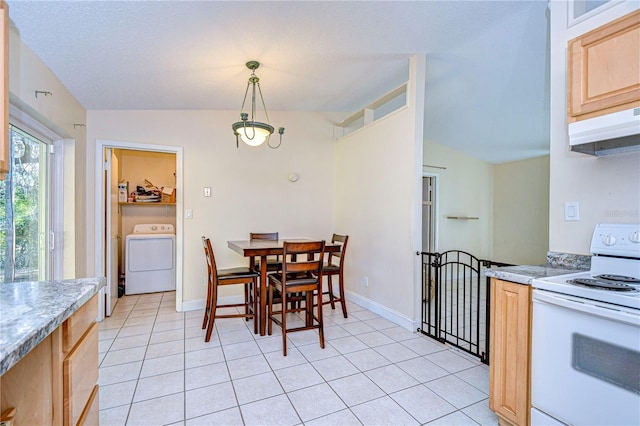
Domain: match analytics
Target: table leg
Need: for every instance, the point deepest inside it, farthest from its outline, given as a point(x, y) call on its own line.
point(263, 295)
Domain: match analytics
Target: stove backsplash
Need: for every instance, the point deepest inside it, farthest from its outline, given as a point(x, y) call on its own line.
point(568, 260)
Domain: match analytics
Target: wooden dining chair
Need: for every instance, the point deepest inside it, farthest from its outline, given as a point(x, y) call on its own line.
point(300, 279)
point(273, 262)
point(219, 277)
point(335, 266)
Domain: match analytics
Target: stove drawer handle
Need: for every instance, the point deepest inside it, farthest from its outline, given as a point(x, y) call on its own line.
point(588, 307)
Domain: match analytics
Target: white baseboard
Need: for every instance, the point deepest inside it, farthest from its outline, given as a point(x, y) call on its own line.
point(375, 307)
point(198, 304)
point(386, 313)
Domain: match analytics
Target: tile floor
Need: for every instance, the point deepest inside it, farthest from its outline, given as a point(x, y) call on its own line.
point(156, 369)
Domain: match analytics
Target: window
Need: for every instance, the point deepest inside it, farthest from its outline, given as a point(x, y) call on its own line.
point(24, 210)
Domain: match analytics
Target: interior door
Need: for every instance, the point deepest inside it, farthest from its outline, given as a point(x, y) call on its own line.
point(111, 230)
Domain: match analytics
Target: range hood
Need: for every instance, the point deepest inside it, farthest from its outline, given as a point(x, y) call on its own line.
point(609, 134)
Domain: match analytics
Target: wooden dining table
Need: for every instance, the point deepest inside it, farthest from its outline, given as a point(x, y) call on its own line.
point(262, 249)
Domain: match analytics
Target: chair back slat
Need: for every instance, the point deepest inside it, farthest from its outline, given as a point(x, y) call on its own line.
point(271, 236)
point(339, 255)
point(212, 270)
point(312, 264)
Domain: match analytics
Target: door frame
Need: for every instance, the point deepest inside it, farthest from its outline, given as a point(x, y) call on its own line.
point(436, 209)
point(100, 207)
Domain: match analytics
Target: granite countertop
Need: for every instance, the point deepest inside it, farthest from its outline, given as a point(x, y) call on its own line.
point(525, 274)
point(30, 311)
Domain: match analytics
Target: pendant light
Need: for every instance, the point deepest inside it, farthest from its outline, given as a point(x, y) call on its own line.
point(252, 132)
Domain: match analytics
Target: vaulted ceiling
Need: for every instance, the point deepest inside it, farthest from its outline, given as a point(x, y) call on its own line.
point(487, 89)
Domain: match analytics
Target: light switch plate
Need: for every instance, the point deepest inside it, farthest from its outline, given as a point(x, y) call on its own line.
point(207, 191)
point(571, 211)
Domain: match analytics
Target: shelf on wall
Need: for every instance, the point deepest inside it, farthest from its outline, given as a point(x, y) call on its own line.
point(145, 204)
point(463, 217)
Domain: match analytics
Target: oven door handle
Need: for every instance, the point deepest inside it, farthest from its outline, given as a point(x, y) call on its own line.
point(588, 307)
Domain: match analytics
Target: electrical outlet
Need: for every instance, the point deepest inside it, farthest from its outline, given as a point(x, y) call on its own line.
point(207, 191)
point(366, 281)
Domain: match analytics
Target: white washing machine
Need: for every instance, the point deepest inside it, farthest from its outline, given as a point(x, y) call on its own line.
point(150, 259)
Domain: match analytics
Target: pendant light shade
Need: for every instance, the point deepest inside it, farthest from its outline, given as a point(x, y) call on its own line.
point(252, 132)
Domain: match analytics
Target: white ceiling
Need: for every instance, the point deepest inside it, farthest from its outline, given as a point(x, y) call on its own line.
point(487, 61)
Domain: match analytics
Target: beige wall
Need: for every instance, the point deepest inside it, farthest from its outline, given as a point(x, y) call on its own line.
point(61, 113)
point(465, 188)
point(520, 206)
point(250, 189)
point(378, 189)
point(607, 188)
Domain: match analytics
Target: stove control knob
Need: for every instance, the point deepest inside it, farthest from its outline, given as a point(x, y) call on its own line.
point(154, 228)
point(609, 240)
point(634, 237)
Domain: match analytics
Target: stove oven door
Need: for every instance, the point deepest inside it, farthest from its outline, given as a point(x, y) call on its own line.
point(585, 367)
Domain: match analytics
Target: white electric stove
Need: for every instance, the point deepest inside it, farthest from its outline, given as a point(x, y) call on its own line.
point(614, 276)
point(585, 343)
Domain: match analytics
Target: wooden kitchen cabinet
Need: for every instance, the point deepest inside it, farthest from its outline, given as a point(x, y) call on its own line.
point(510, 349)
point(56, 382)
point(604, 69)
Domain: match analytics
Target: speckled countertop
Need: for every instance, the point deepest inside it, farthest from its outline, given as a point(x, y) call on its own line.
point(30, 311)
point(524, 274)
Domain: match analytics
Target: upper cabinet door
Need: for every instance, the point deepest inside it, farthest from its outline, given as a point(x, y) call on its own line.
point(604, 69)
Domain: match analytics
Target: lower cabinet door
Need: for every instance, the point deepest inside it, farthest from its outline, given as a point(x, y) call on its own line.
point(91, 415)
point(80, 376)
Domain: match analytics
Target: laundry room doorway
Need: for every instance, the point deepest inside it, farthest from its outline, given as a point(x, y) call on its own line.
point(135, 184)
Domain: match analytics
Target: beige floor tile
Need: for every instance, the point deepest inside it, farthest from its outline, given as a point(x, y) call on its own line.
point(130, 342)
point(230, 416)
point(356, 389)
point(164, 410)
point(367, 359)
point(203, 357)
point(210, 399)
point(342, 418)
point(383, 411)
point(422, 369)
point(391, 378)
point(206, 375)
point(297, 377)
point(157, 350)
point(316, 401)
point(162, 365)
point(257, 387)
point(386, 374)
point(276, 410)
point(160, 385)
point(123, 356)
point(456, 391)
point(249, 366)
point(450, 361)
point(346, 345)
point(422, 403)
point(116, 416)
point(119, 373)
point(481, 413)
point(117, 394)
point(334, 368)
point(396, 352)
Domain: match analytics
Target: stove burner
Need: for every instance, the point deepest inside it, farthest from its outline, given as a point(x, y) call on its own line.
point(604, 285)
point(620, 278)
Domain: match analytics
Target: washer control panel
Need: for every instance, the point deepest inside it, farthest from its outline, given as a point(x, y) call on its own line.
point(154, 228)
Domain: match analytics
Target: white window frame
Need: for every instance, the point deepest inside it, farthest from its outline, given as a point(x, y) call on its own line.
point(25, 122)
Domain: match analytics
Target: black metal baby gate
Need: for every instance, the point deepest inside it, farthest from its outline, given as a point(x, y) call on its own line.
point(455, 301)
